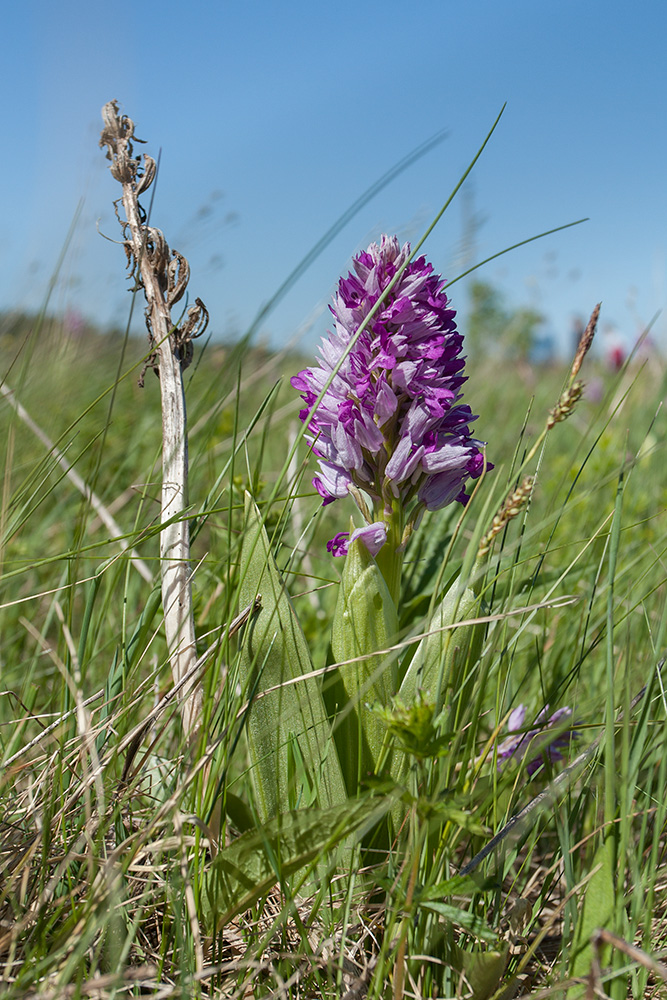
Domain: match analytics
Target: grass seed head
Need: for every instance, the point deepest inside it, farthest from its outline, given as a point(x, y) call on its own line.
point(566, 404)
point(585, 342)
point(512, 506)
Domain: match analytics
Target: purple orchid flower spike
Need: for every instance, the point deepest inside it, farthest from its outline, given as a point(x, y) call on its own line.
point(391, 424)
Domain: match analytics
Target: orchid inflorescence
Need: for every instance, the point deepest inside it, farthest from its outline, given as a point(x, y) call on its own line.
point(390, 428)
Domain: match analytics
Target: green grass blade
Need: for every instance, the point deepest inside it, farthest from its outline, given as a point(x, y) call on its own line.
point(256, 861)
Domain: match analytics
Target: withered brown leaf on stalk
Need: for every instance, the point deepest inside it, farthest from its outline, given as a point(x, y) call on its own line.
point(163, 274)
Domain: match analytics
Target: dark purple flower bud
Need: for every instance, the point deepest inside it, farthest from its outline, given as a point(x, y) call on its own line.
point(391, 422)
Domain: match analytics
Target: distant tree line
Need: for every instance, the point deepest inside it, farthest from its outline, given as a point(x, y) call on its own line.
point(494, 329)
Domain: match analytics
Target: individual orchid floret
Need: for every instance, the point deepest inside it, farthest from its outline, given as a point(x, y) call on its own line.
point(536, 744)
point(391, 425)
point(372, 535)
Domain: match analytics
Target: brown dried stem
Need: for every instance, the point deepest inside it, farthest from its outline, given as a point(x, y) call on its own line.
point(163, 275)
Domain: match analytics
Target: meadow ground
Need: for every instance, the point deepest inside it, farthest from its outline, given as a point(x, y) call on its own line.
point(136, 861)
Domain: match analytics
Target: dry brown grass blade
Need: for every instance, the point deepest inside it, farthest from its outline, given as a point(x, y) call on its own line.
point(101, 986)
point(603, 937)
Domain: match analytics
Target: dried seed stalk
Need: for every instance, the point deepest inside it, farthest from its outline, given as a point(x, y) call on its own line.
point(163, 274)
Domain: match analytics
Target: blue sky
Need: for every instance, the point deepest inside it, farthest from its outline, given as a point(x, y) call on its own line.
point(272, 118)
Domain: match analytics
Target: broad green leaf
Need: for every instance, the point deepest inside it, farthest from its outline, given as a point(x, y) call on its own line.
point(464, 919)
point(436, 655)
point(274, 653)
point(460, 885)
point(598, 907)
point(256, 861)
point(484, 970)
point(365, 621)
point(112, 688)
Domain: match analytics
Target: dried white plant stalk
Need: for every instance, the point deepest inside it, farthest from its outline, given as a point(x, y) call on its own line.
point(163, 274)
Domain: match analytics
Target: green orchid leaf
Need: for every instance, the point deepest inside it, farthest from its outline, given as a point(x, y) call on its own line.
point(293, 756)
point(365, 622)
point(484, 970)
point(443, 647)
point(463, 919)
point(598, 908)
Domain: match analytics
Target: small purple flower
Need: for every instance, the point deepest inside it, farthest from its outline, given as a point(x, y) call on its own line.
point(372, 535)
point(536, 744)
point(391, 423)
